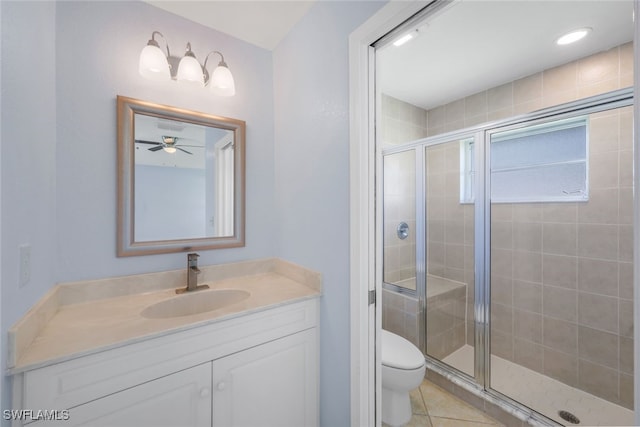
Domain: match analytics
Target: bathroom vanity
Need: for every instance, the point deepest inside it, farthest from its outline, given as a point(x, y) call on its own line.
point(98, 361)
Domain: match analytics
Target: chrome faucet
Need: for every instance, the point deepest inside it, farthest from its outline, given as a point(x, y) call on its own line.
point(192, 275)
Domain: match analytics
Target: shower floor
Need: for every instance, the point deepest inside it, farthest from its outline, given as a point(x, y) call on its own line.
point(544, 394)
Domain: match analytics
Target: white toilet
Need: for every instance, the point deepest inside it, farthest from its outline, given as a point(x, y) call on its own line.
point(403, 369)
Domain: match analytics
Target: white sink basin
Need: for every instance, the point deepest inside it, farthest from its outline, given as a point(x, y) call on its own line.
point(194, 303)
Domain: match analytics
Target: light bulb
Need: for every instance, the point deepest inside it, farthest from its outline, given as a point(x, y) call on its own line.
point(189, 69)
point(222, 81)
point(402, 40)
point(169, 150)
point(153, 64)
point(573, 36)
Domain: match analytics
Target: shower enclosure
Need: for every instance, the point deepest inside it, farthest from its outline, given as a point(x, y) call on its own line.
point(507, 234)
point(508, 254)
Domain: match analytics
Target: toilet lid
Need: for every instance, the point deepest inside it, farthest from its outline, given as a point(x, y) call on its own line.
point(400, 353)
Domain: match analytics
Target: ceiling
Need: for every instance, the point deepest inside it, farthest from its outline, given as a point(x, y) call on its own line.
point(260, 22)
point(468, 47)
point(474, 45)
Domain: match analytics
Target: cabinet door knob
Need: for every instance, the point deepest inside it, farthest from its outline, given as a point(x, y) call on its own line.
point(221, 385)
point(204, 392)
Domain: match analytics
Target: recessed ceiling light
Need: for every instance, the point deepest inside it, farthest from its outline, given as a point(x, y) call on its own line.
point(402, 40)
point(573, 36)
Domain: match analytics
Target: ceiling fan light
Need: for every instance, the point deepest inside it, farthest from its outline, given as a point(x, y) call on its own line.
point(169, 139)
point(153, 64)
point(169, 150)
point(222, 82)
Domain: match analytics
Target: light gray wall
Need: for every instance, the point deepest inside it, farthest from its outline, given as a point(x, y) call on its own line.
point(312, 176)
point(63, 63)
point(28, 169)
point(98, 45)
point(59, 172)
point(2, 342)
point(170, 202)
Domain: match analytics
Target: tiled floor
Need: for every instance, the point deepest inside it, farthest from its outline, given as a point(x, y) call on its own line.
point(434, 407)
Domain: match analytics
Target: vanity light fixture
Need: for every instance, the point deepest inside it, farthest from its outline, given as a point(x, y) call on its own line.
point(154, 65)
point(573, 36)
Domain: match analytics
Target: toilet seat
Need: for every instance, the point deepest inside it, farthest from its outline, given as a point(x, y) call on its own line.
point(399, 353)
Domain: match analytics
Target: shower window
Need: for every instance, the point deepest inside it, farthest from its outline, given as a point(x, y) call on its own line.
point(541, 163)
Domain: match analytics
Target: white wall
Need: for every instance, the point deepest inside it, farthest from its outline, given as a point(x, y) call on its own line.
point(104, 40)
point(312, 176)
point(2, 343)
point(170, 203)
point(59, 170)
point(63, 63)
point(28, 156)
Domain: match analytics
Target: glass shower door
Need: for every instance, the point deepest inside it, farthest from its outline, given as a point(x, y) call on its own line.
point(561, 266)
point(449, 218)
point(400, 306)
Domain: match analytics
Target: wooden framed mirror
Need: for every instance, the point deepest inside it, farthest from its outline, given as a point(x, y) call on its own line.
point(181, 179)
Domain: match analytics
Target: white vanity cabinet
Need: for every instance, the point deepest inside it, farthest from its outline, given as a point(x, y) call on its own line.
point(179, 399)
point(258, 369)
point(272, 384)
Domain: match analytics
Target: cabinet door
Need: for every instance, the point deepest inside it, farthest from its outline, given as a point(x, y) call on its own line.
point(179, 399)
point(273, 384)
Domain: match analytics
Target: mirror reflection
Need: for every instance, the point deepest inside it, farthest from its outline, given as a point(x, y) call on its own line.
point(181, 179)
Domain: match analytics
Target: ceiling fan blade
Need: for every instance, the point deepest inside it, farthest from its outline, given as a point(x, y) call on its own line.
point(183, 150)
point(140, 141)
point(159, 147)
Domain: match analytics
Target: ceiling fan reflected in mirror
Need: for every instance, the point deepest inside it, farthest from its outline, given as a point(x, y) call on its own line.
point(168, 144)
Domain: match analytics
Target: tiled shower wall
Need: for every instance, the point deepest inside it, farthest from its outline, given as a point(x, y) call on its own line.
point(596, 74)
point(562, 277)
point(400, 315)
point(450, 229)
point(400, 206)
point(401, 122)
point(562, 274)
point(562, 280)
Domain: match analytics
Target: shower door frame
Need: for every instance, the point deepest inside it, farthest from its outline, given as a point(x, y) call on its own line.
point(608, 101)
point(481, 380)
point(365, 402)
point(420, 273)
point(419, 147)
point(480, 312)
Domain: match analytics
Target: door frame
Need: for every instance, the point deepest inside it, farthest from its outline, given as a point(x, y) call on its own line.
point(365, 322)
point(365, 266)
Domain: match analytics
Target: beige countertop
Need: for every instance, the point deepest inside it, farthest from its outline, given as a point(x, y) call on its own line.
point(86, 317)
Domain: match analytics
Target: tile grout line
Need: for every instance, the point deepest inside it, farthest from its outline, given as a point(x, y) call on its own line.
point(453, 397)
